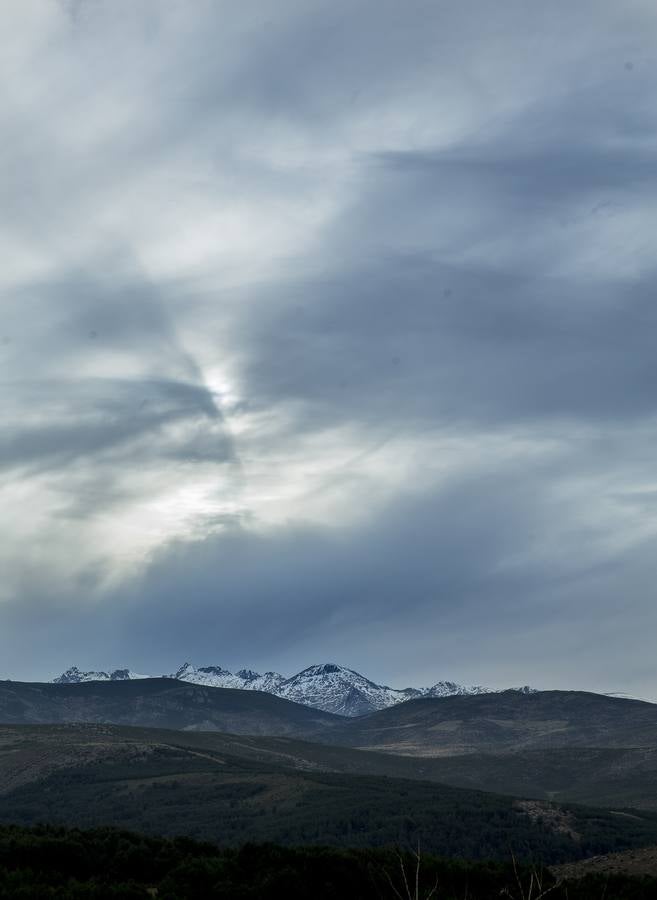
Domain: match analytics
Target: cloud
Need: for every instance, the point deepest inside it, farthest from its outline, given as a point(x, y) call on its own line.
point(488, 579)
point(329, 333)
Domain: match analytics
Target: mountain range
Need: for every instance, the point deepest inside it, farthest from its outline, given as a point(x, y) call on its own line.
point(328, 687)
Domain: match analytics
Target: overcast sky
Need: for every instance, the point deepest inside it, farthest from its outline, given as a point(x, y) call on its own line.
point(329, 332)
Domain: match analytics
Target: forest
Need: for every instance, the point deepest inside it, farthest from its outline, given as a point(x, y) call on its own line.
point(104, 863)
point(231, 800)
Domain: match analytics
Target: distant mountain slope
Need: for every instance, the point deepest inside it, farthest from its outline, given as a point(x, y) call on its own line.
point(160, 702)
point(219, 787)
point(501, 722)
point(328, 686)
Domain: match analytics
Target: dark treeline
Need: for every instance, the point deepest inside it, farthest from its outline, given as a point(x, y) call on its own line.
point(49, 862)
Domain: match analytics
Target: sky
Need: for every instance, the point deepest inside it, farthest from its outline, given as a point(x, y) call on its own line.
point(328, 334)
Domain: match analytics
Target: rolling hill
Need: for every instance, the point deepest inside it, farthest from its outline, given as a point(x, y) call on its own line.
point(229, 789)
point(159, 702)
point(592, 776)
point(508, 721)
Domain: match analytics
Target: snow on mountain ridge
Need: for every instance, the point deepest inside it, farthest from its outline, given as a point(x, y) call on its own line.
point(75, 676)
point(339, 690)
point(326, 686)
point(451, 689)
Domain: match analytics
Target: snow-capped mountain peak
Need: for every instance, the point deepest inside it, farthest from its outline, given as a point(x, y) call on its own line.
point(75, 676)
point(212, 676)
point(324, 669)
point(248, 674)
point(186, 669)
point(450, 689)
point(338, 690)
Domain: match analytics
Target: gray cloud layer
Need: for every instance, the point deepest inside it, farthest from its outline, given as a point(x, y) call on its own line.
point(328, 333)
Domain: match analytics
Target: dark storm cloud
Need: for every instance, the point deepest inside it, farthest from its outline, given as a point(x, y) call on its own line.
point(471, 596)
point(414, 340)
point(395, 258)
point(393, 323)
